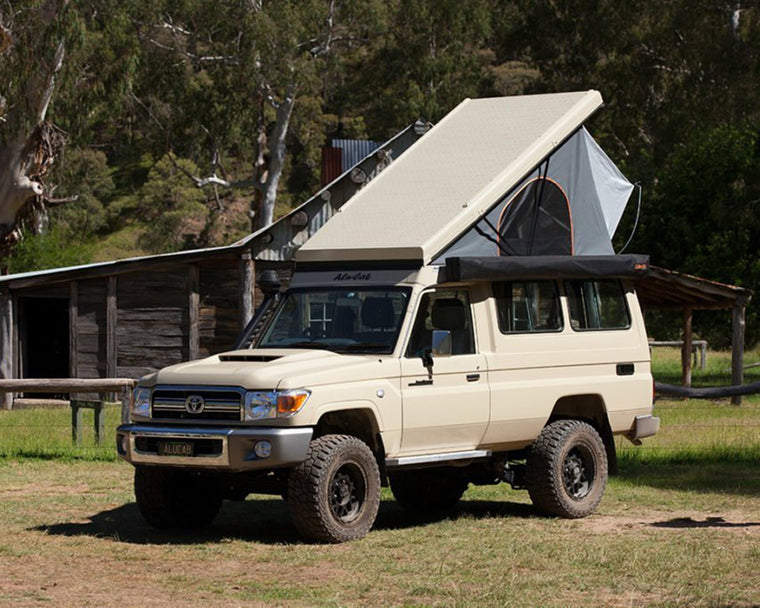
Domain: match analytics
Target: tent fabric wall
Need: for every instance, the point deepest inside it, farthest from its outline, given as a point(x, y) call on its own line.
point(596, 191)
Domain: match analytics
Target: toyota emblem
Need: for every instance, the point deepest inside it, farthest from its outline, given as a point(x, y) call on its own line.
point(194, 404)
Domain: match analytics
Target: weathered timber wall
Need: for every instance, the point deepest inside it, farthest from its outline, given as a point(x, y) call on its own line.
point(152, 321)
point(6, 345)
point(218, 314)
point(91, 329)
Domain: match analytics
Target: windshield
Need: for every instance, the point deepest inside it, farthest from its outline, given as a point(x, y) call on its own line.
point(342, 320)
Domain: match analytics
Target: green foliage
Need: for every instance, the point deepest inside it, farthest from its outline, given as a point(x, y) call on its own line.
point(83, 174)
point(171, 206)
point(199, 80)
point(50, 250)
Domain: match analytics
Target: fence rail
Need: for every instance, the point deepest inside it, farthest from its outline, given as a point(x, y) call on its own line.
point(123, 386)
point(66, 385)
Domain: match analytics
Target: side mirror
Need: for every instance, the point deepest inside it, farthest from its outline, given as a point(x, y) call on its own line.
point(441, 343)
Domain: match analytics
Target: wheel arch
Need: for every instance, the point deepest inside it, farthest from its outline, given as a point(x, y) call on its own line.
point(358, 421)
point(590, 408)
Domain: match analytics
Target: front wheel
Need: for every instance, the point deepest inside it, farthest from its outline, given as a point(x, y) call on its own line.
point(334, 495)
point(170, 498)
point(567, 469)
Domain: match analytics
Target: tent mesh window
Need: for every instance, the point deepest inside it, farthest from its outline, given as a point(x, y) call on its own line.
point(536, 221)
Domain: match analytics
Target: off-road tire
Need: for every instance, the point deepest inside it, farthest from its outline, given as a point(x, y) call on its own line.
point(430, 492)
point(176, 499)
point(567, 469)
point(334, 495)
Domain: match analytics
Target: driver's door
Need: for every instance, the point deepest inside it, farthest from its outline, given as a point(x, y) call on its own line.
point(446, 406)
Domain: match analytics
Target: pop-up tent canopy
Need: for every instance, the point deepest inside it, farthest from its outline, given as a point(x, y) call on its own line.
point(508, 176)
point(569, 205)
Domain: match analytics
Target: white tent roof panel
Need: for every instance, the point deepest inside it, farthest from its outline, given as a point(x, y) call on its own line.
point(449, 178)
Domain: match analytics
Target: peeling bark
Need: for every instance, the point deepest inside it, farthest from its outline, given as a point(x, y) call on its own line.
point(28, 143)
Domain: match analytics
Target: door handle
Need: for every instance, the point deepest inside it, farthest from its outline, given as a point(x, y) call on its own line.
point(473, 377)
point(421, 383)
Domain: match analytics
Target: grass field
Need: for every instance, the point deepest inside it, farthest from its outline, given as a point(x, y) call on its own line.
point(680, 526)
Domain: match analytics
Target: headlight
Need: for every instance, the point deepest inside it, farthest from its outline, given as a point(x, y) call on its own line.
point(261, 405)
point(140, 402)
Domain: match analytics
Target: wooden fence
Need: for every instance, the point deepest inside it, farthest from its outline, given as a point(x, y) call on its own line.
point(121, 386)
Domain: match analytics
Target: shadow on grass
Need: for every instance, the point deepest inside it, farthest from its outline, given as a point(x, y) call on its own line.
point(731, 474)
point(264, 520)
point(710, 522)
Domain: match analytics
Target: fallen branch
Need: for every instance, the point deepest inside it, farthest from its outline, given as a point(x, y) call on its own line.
point(715, 392)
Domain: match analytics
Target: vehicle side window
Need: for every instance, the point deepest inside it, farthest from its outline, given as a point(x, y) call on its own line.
point(597, 305)
point(449, 310)
point(528, 307)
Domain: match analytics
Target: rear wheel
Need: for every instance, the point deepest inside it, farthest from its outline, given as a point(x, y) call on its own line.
point(170, 498)
point(427, 491)
point(567, 469)
point(334, 495)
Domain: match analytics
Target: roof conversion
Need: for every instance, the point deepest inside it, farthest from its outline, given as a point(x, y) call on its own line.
point(450, 178)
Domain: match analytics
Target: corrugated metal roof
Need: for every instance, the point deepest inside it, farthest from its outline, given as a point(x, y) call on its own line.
point(450, 177)
point(354, 150)
point(282, 239)
point(332, 164)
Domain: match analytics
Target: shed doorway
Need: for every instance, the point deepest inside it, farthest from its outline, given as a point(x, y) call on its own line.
point(44, 338)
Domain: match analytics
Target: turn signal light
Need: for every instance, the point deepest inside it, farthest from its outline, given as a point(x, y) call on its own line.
point(290, 402)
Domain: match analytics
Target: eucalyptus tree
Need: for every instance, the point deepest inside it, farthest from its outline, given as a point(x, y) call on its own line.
point(32, 51)
point(236, 74)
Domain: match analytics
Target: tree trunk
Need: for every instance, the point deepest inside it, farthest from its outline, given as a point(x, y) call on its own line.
point(28, 144)
point(277, 157)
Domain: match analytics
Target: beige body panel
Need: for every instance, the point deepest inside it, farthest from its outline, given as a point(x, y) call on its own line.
point(446, 409)
point(499, 398)
point(530, 373)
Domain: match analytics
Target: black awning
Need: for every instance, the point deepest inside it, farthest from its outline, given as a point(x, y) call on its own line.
point(546, 267)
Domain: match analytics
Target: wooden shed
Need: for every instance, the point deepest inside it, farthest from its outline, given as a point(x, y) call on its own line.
point(126, 318)
point(670, 290)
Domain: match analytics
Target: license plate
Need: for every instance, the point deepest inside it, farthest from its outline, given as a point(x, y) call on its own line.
point(175, 448)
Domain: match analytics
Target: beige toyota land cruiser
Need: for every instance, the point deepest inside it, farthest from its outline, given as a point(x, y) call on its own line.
point(463, 319)
point(364, 377)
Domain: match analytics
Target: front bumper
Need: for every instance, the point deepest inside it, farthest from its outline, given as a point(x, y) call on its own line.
point(229, 449)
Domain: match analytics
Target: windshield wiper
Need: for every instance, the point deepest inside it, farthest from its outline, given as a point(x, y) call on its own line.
point(367, 346)
point(316, 345)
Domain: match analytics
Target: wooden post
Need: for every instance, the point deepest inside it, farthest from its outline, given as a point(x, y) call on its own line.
point(686, 348)
point(73, 331)
point(126, 394)
point(247, 282)
point(193, 302)
point(76, 422)
point(99, 422)
point(76, 419)
point(737, 347)
point(6, 346)
point(111, 344)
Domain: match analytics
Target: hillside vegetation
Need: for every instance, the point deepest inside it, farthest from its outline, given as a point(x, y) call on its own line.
point(180, 124)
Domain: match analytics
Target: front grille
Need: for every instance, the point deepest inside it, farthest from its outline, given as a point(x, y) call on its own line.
point(219, 403)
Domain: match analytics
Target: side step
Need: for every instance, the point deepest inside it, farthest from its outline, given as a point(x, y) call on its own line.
point(404, 461)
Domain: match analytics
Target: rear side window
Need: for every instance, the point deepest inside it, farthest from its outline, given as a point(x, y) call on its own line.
point(597, 305)
point(528, 307)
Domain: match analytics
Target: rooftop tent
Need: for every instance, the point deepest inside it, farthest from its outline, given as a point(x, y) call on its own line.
point(569, 205)
point(483, 153)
